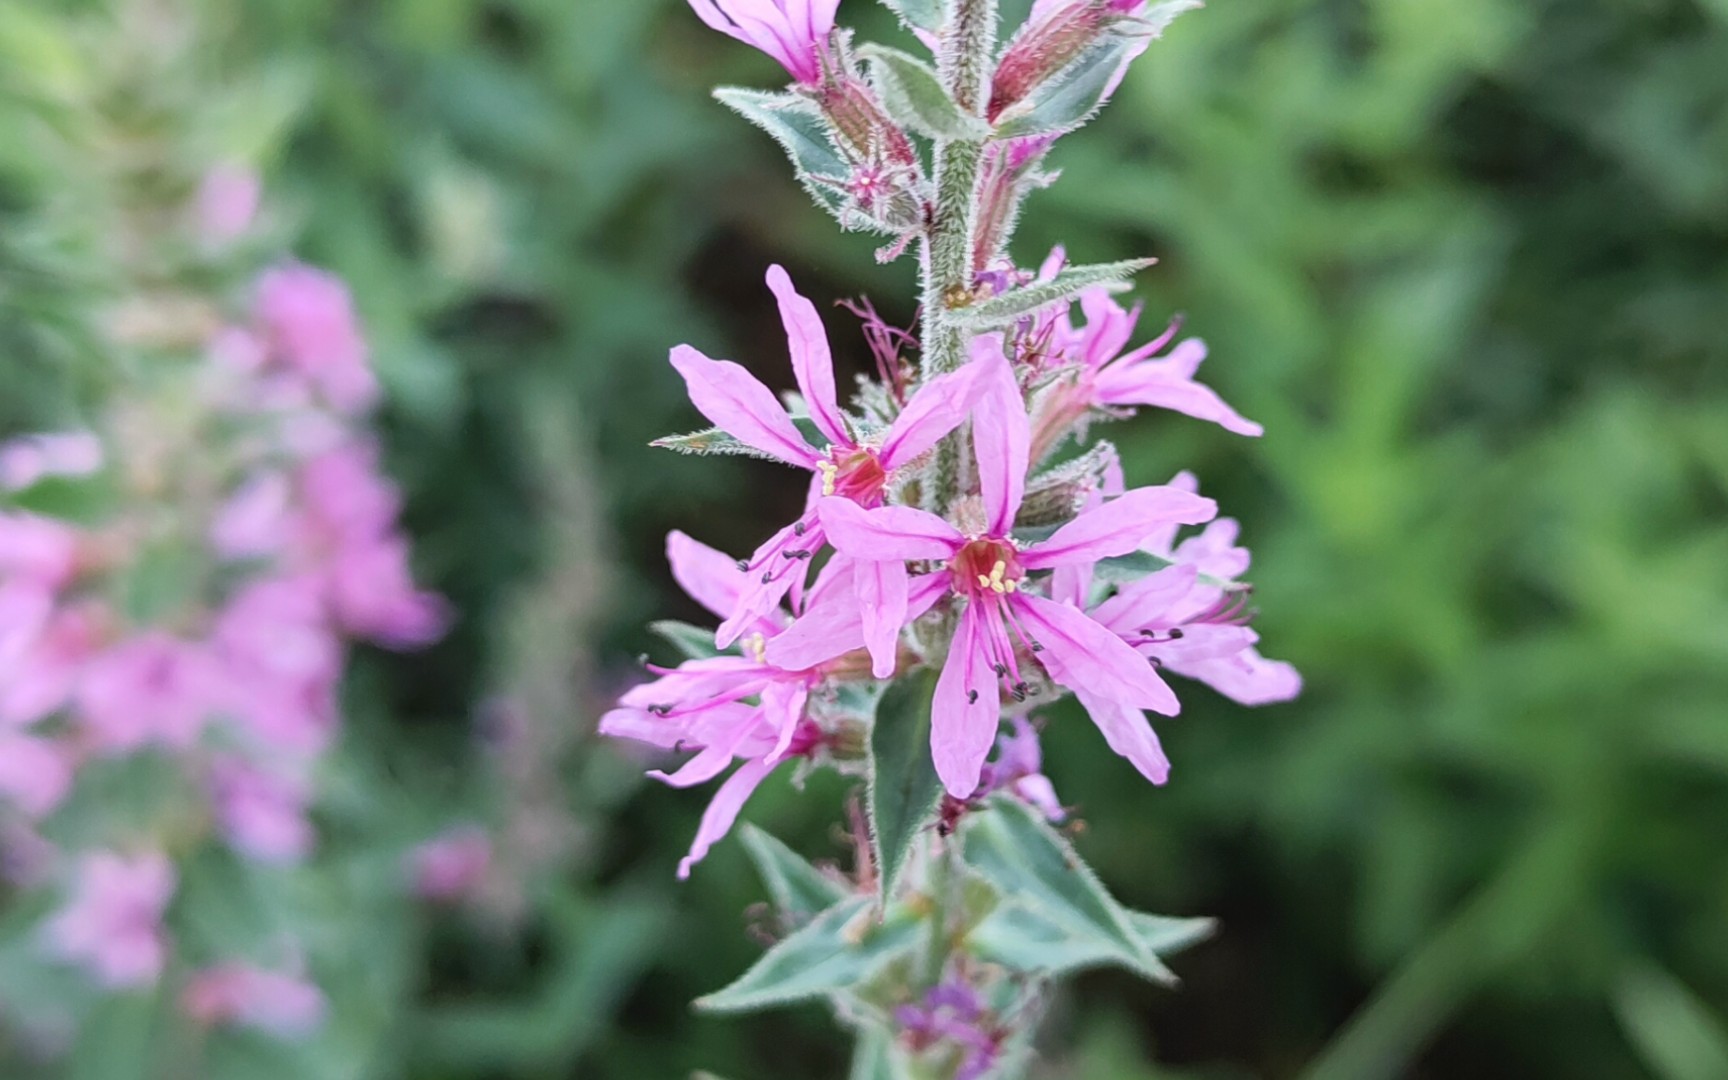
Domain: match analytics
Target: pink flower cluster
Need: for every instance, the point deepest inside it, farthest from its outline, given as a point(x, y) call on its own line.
point(1009, 613)
point(235, 680)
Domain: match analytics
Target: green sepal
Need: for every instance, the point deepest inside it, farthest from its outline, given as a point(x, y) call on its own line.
point(903, 787)
point(837, 950)
point(800, 891)
point(915, 97)
point(1010, 307)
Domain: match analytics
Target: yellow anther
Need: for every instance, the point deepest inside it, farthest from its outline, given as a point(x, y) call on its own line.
point(1013, 585)
point(983, 581)
point(756, 645)
point(829, 471)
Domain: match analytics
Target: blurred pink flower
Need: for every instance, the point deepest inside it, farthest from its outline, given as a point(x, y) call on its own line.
point(37, 676)
point(286, 1006)
point(308, 317)
point(26, 460)
point(37, 548)
point(262, 813)
point(375, 597)
point(153, 688)
point(113, 922)
point(256, 520)
point(35, 772)
point(794, 32)
point(347, 498)
point(226, 203)
point(450, 867)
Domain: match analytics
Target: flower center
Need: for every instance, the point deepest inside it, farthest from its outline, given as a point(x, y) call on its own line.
point(988, 567)
point(855, 474)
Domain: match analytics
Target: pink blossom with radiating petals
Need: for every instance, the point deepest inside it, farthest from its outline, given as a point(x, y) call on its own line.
point(794, 32)
point(1003, 624)
point(279, 1004)
point(861, 469)
point(113, 922)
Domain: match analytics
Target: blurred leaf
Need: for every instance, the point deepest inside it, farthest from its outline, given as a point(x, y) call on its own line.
point(1676, 1034)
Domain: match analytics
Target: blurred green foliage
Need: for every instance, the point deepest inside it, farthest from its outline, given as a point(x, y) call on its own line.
point(1467, 262)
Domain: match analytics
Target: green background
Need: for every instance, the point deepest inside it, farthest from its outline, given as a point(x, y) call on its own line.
point(1468, 263)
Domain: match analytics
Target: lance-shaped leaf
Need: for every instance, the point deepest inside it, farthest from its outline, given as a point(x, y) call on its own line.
point(904, 786)
point(916, 98)
point(838, 949)
point(1023, 938)
point(693, 641)
point(919, 14)
point(716, 441)
point(1132, 566)
point(1018, 851)
point(799, 128)
point(799, 890)
point(1010, 307)
point(1676, 1033)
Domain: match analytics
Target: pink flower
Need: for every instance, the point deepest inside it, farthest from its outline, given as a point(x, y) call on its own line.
point(1019, 770)
point(24, 461)
point(450, 867)
point(1112, 379)
point(152, 688)
point(1192, 616)
point(309, 319)
point(37, 549)
point(286, 1006)
point(347, 498)
point(730, 707)
point(256, 520)
point(262, 812)
point(226, 203)
point(859, 468)
point(794, 32)
point(374, 597)
point(1003, 623)
point(43, 652)
point(282, 661)
point(113, 922)
point(35, 773)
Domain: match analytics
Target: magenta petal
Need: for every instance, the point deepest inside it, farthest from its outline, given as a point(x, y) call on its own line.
point(812, 360)
point(966, 710)
point(710, 577)
point(1126, 730)
point(783, 706)
point(1079, 653)
point(887, 532)
point(1169, 384)
point(772, 575)
point(737, 403)
point(1002, 436)
point(1119, 526)
point(723, 810)
point(882, 602)
point(1246, 677)
point(939, 406)
point(831, 626)
point(710, 762)
point(1141, 603)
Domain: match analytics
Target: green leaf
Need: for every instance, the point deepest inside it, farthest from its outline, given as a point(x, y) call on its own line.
point(799, 889)
point(904, 787)
point(1023, 938)
point(1061, 900)
point(800, 129)
point(839, 949)
point(711, 441)
point(916, 98)
point(1167, 935)
point(1675, 1033)
point(1132, 566)
point(1010, 307)
point(873, 1058)
point(921, 14)
point(82, 500)
point(695, 642)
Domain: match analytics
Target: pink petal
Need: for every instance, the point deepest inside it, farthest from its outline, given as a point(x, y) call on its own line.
point(966, 710)
point(783, 707)
point(833, 625)
point(882, 603)
point(707, 575)
point(723, 811)
point(1002, 437)
point(709, 762)
point(812, 360)
point(737, 403)
point(1126, 730)
point(1141, 603)
point(1168, 384)
point(1119, 526)
point(1246, 677)
point(938, 407)
point(887, 532)
point(772, 575)
point(1079, 653)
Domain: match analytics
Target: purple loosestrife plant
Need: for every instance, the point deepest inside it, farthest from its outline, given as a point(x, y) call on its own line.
point(968, 553)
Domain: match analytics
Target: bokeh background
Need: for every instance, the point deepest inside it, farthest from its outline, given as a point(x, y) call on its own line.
point(1467, 261)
